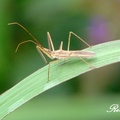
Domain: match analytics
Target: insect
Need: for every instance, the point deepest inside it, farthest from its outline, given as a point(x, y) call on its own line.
point(60, 53)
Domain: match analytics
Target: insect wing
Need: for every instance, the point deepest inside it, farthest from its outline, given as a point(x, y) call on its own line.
point(84, 54)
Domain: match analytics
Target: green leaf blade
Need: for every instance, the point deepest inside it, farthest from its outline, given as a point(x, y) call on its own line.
point(60, 71)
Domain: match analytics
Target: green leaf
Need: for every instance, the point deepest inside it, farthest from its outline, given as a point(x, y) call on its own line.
point(60, 71)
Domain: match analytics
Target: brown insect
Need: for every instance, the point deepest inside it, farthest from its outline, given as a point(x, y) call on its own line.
point(60, 53)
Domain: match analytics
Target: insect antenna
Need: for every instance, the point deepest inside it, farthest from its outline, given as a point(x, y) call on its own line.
point(25, 30)
point(36, 41)
point(38, 45)
point(23, 43)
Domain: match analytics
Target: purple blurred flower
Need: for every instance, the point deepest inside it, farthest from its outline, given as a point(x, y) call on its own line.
point(98, 30)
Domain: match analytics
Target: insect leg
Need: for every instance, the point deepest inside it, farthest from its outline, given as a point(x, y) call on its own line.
point(50, 43)
point(61, 45)
point(86, 62)
point(49, 69)
point(43, 57)
point(69, 37)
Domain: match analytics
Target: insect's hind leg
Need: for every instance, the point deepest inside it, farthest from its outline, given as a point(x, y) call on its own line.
point(69, 37)
point(91, 66)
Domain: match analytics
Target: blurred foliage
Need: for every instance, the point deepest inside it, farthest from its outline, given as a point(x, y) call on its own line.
point(96, 21)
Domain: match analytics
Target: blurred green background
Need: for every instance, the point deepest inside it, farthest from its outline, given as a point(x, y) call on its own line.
point(85, 97)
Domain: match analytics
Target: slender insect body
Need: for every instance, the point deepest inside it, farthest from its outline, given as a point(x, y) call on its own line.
point(60, 53)
point(63, 54)
point(84, 54)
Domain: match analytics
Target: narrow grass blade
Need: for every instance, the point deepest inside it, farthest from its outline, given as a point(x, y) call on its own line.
point(60, 71)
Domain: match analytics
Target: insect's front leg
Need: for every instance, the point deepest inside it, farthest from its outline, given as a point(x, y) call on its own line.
point(49, 69)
